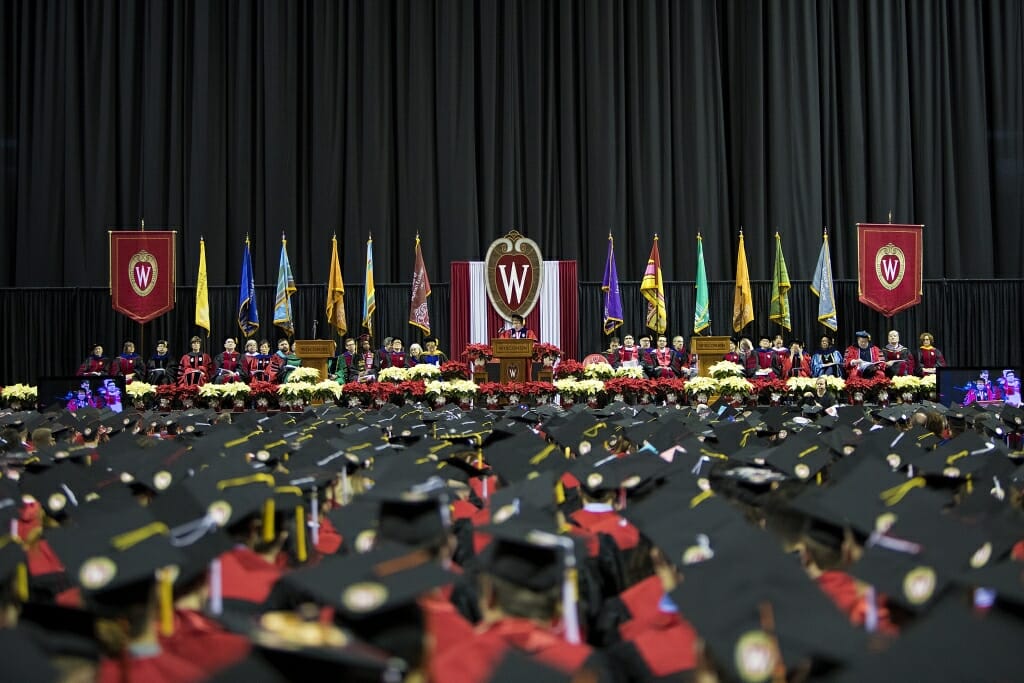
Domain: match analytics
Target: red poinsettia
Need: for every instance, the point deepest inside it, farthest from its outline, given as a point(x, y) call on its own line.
point(669, 385)
point(490, 389)
point(412, 388)
point(569, 368)
point(259, 389)
point(540, 350)
point(866, 386)
point(474, 351)
point(453, 369)
point(766, 386)
point(628, 386)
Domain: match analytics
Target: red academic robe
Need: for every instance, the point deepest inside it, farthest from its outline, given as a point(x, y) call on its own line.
point(853, 353)
point(848, 595)
point(247, 576)
point(667, 644)
point(626, 535)
point(204, 642)
point(163, 667)
point(476, 658)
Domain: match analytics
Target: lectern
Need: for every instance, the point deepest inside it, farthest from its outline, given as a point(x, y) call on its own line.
point(516, 358)
point(709, 350)
point(315, 353)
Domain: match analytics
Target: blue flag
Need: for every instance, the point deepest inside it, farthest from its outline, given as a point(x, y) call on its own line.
point(285, 288)
point(612, 297)
point(248, 316)
point(821, 285)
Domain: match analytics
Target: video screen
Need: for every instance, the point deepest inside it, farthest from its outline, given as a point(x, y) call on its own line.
point(981, 385)
point(72, 393)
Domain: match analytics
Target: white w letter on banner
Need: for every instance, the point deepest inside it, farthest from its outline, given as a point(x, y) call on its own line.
point(891, 267)
point(142, 273)
point(513, 283)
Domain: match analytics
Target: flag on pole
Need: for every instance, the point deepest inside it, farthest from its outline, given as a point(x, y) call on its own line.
point(419, 316)
point(202, 292)
point(248, 316)
point(653, 289)
point(612, 296)
point(336, 293)
point(285, 289)
point(702, 311)
point(821, 285)
point(370, 294)
point(779, 311)
point(743, 300)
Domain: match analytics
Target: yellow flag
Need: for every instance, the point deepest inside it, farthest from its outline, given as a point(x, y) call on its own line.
point(336, 293)
point(202, 293)
point(743, 303)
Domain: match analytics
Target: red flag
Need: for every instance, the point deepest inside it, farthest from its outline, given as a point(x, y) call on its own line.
point(889, 266)
point(142, 271)
point(419, 316)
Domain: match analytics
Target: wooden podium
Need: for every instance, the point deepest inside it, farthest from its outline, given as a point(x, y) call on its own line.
point(315, 353)
point(709, 350)
point(516, 358)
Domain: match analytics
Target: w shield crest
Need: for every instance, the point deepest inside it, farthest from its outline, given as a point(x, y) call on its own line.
point(889, 266)
point(514, 269)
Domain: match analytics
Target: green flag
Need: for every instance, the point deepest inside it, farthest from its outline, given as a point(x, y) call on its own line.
point(779, 312)
point(701, 313)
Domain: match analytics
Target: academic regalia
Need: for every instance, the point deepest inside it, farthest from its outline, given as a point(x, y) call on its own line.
point(228, 366)
point(281, 365)
point(257, 367)
point(629, 354)
point(798, 367)
point(247, 576)
point(128, 365)
point(766, 359)
point(661, 363)
point(656, 650)
point(872, 354)
point(898, 353)
point(608, 522)
point(204, 642)
point(928, 357)
point(475, 659)
point(849, 596)
point(433, 358)
point(155, 666)
point(732, 357)
point(393, 359)
point(823, 356)
point(94, 365)
point(195, 368)
point(328, 539)
point(522, 333)
point(444, 622)
point(161, 369)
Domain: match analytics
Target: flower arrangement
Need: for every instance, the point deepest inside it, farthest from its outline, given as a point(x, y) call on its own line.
point(425, 371)
point(211, 394)
point(702, 386)
point(570, 368)
point(474, 351)
point(669, 389)
point(296, 393)
point(357, 394)
point(861, 389)
point(395, 375)
point(541, 350)
point(579, 388)
point(452, 369)
point(410, 390)
point(771, 388)
point(737, 386)
point(327, 390)
point(635, 372)
point(460, 389)
point(928, 384)
point(907, 387)
point(20, 393)
point(798, 386)
point(235, 390)
point(303, 374)
point(725, 368)
point(599, 371)
point(629, 388)
point(180, 395)
point(140, 392)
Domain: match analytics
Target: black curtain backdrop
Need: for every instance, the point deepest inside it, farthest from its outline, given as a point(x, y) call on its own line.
point(969, 319)
point(461, 120)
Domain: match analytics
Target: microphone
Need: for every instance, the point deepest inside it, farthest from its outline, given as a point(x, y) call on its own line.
point(314, 327)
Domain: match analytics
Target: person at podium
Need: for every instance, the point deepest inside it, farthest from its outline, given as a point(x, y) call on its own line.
point(518, 329)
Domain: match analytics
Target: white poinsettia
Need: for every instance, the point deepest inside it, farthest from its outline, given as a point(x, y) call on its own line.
point(235, 389)
point(423, 371)
point(140, 390)
point(296, 390)
point(599, 371)
point(395, 375)
point(906, 383)
point(630, 373)
point(801, 385)
point(327, 389)
point(579, 387)
point(928, 382)
point(302, 374)
point(735, 385)
point(211, 390)
point(20, 392)
point(702, 385)
point(725, 368)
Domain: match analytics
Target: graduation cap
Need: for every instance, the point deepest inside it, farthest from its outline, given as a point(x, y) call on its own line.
point(801, 456)
point(530, 501)
point(582, 434)
point(515, 458)
point(61, 631)
point(59, 489)
point(515, 667)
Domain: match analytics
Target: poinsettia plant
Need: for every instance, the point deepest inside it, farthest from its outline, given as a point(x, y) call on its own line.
point(865, 389)
point(628, 387)
point(425, 371)
point(570, 368)
point(490, 389)
point(543, 349)
point(259, 389)
point(765, 387)
point(705, 386)
point(395, 375)
point(20, 393)
point(474, 351)
point(412, 389)
point(725, 368)
point(453, 369)
point(304, 374)
point(601, 371)
point(139, 392)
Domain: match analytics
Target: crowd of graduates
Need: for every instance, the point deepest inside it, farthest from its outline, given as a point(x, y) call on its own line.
point(629, 543)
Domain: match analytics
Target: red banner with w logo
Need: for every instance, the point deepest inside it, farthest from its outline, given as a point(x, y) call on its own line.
point(142, 272)
point(889, 266)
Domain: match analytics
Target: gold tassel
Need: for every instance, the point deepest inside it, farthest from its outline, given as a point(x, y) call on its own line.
point(894, 495)
point(559, 493)
point(268, 521)
point(970, 486)
point(700, 498)
point(817, 478)
point(165, 588)
point(132, 538)
point(21, 582)
point(300, 532)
